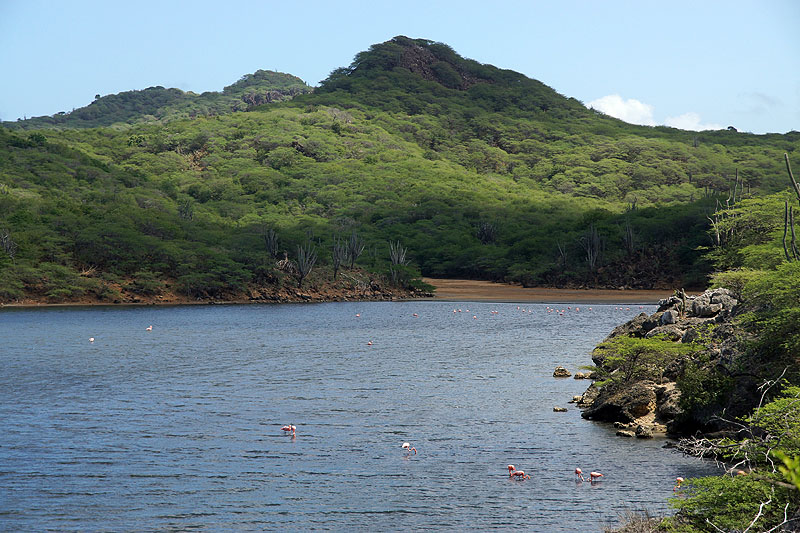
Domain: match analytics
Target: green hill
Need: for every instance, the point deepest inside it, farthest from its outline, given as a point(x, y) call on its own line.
point(157, 104)
point(476, 171)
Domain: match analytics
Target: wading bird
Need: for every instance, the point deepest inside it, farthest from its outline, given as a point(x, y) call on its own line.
point(409, 448)
point(290, 428)
point(519, 474)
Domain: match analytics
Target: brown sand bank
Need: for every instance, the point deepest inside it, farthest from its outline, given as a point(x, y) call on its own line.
point(462, 289)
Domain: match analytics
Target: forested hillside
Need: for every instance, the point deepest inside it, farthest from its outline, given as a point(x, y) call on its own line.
point(157, 104)
point(466, 169)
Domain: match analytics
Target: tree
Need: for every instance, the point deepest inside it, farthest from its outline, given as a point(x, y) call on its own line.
point(339, 255)
point(355, 247)
point(306, 257)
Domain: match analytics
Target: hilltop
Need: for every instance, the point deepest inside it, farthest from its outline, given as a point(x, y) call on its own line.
point(157, 104)
point(468, 170)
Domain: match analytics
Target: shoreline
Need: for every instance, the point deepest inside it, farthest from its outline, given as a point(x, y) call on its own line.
point(470, 290)
point(447, 290)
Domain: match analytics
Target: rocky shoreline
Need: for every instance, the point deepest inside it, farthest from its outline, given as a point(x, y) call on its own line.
point(647, 407)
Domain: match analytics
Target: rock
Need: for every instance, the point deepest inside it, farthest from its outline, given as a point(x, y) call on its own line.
point(668, 303)
point(576, 399)
point(727, 301)
point(625, 404)
point(668, 317)
point(690, 335)
point(559, 409)
point(625, 433)
point(589, 396)
point(653, 321)
point(668, 406)
point(632, 327)
point(644, 432)
point(671, 331)
point(581, 375)
point(561, 372)
point(705, 310)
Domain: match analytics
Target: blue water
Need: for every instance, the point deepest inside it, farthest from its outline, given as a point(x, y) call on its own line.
point(179, 427)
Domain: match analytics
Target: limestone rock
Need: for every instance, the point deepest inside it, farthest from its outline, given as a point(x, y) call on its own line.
point(625, 433)
point(576, 399)
point(644, 432)
point(559, 409)
point(561, 372)
point(668, 317)
point(671, 331)
point(625, 405)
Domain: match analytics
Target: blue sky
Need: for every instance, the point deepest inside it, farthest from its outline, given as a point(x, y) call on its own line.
point(699, 64)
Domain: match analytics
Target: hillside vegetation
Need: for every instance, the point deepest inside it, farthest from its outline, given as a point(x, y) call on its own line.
point(157, 104)
point(466, 169)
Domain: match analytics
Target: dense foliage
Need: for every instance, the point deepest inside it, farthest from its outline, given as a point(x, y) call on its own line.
point(157, 104)
point(762, 489)
point(478, 172)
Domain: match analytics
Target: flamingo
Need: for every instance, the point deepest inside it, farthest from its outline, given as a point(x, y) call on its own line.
point(409, 448)
point(594, 475)
point(149, 328)
point(290, 428)
point(513, 472)
point(579, 474)
point(678, 481)
point(91, 339)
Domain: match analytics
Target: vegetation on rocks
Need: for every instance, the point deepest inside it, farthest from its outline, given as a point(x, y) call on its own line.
point(742, 389)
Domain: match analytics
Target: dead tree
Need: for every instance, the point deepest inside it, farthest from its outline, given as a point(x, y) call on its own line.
point(397, 255)
point(562, 254)
point(306, 257)
point(487, 232)
point(339, 254)
point(8, 245)
point(355, 247)
point(788, 218)
point(270, 241)
point(629, 238)
point(593, 245)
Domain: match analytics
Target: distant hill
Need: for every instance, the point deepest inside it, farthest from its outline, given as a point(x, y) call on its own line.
point(157, 104)
point(469, 170)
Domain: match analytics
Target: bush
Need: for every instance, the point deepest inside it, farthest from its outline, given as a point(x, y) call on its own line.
point(730, 503)
point(627, 359)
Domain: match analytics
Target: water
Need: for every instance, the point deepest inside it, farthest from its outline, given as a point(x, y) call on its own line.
point(179, 427)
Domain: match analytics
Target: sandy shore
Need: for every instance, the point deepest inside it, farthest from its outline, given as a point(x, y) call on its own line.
point(468, 290)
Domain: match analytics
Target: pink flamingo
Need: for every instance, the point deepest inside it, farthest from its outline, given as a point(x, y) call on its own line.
point(290, 428)
point(149, 328)
point(678, 482)
point(409, 448)
point(520, 474)
point(579, 474)
point(594, 475)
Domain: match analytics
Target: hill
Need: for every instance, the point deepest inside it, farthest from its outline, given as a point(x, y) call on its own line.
point(157, 104)
point(466, 169)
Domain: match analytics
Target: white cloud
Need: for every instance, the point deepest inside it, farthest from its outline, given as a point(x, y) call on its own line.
point(635, 112)
point(690, 121)
point(631, 110)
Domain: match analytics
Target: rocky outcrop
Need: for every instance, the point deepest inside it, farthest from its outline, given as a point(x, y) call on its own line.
point(561, 372)
point(642, 408)
point(624, 404)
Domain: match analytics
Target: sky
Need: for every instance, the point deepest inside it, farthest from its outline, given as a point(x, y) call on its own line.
point(701, 64)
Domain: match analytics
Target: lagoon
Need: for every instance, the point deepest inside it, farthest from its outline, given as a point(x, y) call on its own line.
point(179, 427)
